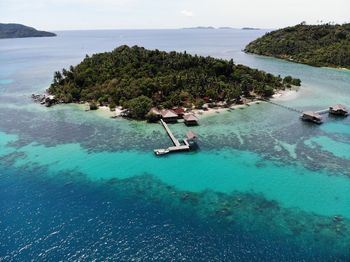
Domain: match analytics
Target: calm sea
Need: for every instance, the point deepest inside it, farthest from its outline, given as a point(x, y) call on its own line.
point(263, 186)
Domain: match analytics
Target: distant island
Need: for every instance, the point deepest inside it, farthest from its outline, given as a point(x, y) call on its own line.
point(20, 31)
point(317, 45)
point(138, 79)
point(250, 28)
point(225, 27)
point(200, 27)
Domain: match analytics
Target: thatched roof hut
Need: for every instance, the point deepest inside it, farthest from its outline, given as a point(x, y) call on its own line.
point(339, 110)
point(190, 119)
point(312, 117)
point(169, 115)
point(191, 135)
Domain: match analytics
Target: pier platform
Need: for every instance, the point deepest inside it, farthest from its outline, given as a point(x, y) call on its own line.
point(178, 147)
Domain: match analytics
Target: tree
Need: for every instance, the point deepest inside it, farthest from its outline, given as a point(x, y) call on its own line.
point(139, 106)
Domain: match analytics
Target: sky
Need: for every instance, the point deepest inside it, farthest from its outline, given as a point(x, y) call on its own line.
point(154, 14)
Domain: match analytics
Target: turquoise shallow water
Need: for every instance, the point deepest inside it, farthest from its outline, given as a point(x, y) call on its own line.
point(258, 170)
point(224, 171)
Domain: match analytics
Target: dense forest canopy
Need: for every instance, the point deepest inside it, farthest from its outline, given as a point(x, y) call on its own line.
point(317, 45)
point(19, 31)
point(130, 75)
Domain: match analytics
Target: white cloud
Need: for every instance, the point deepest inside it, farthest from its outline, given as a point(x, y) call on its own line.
point(187, 13)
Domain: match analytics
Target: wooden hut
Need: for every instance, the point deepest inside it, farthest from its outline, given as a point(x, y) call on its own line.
point(169, 116)
point(190, 120)
point(311, 117)
point(339, 110)
point(191, 136)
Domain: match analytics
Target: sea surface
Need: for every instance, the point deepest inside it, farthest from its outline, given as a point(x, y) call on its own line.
point(79, 186)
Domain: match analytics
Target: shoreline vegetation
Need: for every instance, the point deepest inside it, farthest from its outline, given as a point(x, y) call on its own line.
point(21, 31)
point(323, 45)
point(132, 80)
point(282, 95)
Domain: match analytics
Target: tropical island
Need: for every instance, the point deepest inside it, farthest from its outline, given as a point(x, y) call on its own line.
point(317, 45)
point(20, 31)
point(138, 79)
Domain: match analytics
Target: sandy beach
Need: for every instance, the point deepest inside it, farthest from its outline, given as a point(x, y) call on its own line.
point(282, 95)
point(286, 95)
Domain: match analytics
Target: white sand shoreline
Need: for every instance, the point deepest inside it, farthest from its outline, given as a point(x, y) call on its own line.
point(286, 95)
point(282, 95)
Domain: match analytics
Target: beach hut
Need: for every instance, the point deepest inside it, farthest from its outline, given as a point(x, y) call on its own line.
point(190, 120)
point(169, 116)
point(311, 117)
point(339, 110)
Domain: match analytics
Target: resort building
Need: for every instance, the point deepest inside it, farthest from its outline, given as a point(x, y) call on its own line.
point(311, 117)
point(338, 110)
point(190, 120)
point(169, 116)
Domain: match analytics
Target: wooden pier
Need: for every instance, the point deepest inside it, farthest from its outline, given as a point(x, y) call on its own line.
point(338, 110)
point(322, 112)
point(170, 134)
point(283, 106)
point(177, 145)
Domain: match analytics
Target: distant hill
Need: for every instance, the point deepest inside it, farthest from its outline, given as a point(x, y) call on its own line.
point(19, 31)
point(225, 27)
point(317, 45)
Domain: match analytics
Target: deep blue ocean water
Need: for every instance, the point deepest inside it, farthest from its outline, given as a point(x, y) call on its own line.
point(263, 185)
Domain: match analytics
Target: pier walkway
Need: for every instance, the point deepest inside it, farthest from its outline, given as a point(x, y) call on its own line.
point(170, 134)
point(177, 145)
point(283, 106)
point(322, 112)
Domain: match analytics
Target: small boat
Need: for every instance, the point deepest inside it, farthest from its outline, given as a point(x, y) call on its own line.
point(160, 152)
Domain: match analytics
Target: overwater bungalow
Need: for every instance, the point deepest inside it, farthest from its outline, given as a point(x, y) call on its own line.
point(191, 136)
point(191, 139)
point(311, 117)
point(190, 120)
point(169, 116)
point(339, 110)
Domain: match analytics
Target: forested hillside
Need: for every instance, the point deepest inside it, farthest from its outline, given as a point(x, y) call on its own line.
point(19, 31)
point(317, 45)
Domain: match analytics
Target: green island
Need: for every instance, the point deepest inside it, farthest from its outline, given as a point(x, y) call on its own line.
point(317, 45)
point(20, 31)
point(138, 79)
